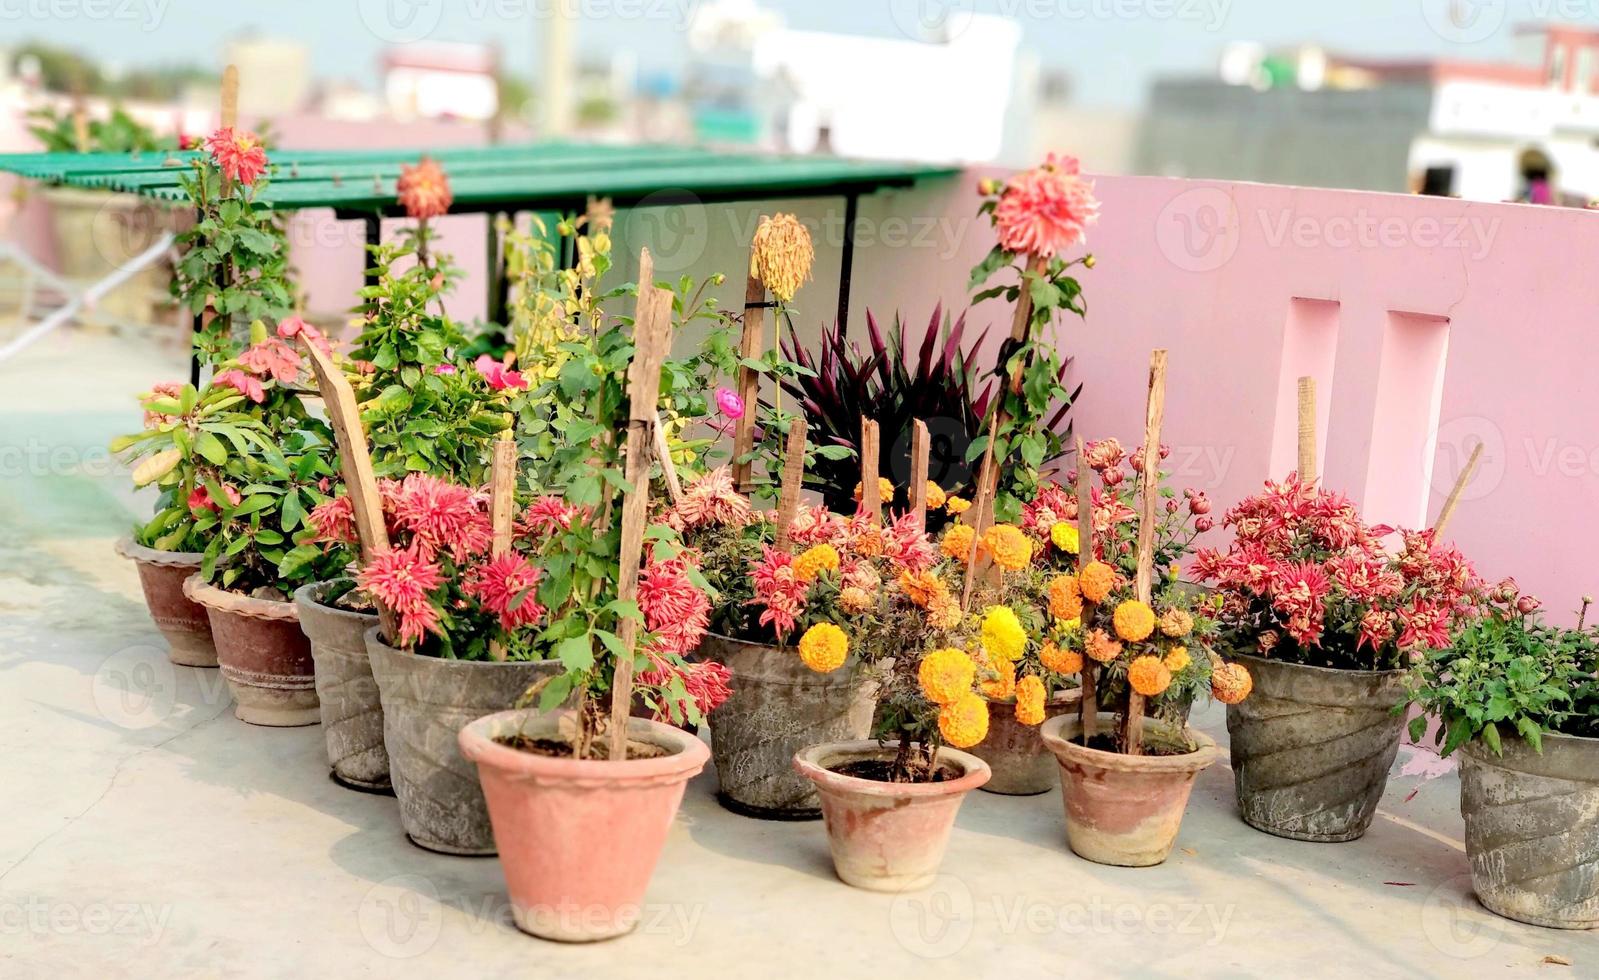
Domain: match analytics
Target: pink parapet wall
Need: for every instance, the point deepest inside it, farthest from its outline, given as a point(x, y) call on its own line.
point(1430, 324)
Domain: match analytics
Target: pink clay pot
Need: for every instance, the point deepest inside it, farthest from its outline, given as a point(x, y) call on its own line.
point(264, 656)
point(181, 620)
point(887, 837)
point(579, 840)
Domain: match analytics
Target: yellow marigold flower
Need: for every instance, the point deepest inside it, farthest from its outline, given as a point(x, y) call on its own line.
point(1134, 621)
point(1101, 647)
point(945, 675)
point(1096, 580)
point(1177, 659)
point(1176, 623)
point(935, 496)
point(1030, 695)
point(957, 543)
point(1231, 683)
point(957, 505)
point(854, 601)
point(923, 588)
point(1059, 660)
point(868, 541)
point(1148, 676)
point(1003, 635)
point(944, 614)
point(885, 489)
point(1065, 599)
point(1011, 548)
point(964, 723)
point(824, 648)
point(817, 559)
point(782, 255)
point(1000, 686)
point(1065, 537)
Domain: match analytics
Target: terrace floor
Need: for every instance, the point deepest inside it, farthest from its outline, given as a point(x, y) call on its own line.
point(147, 832)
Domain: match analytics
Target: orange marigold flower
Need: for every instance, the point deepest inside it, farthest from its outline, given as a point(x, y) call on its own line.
point(854, 601)
point(1060, 660)
point(868, 541)
point(1101, 647)
point(1003, 684)
point(1030, 695)
point(945, 675)
point(1096, 580)
point(1231, 683)
point(957, 505)
point(935, 496)
point(923, 588)
point(885, 489)
point(815, 560)
point(1134, 621)
point(957, 543)
point(823, 648)
point(1065, 598)
point(1176, 623)
point(1177, 659)
point(1149, 676)
point(1011, 548)
point(944, 614)
point(964, 722)
point(424, 190)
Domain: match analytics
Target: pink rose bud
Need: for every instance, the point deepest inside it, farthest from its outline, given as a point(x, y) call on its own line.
point(728, 402)
point(1204, 524)
point(1527, 605)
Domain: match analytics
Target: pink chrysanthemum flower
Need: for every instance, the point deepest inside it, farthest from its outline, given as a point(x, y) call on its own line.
point(711, 501)
point(545, 515)
point(908, 546)
point(403, 580)
point(778, 591)
point(505, 586)
point(273, 358)
point(239, 153)
point(443, 516)
point(675, 611)
point(706, 684)
point(333, 521)
point(1046, 210)
point(424, 190)
point(246, 384)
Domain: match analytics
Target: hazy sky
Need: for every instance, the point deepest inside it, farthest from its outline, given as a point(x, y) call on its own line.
point(1110, 47)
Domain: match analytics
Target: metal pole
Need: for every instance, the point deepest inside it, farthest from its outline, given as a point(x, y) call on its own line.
point(374, 238)
point(852, 204)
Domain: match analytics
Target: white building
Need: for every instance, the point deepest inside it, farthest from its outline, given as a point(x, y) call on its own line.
point(435, 80)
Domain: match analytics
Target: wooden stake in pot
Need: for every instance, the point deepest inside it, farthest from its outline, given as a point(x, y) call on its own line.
point(919, 454)
point(793, 482)
point(750, 347)
point(871, 494)
point(1149, 487)
point(1454, 494)
point(502, 507)
point(1307, 430)
point(1088, 706)
point(652, 341)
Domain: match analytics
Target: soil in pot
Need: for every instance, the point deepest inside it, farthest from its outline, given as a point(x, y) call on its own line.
point(561, 749)
point(1125, 810)
point(883, 771)
point(1312, 748)
point(264, 656)
point(579, 838)
point(887, 836)
point(183, 622)
point(351, 710)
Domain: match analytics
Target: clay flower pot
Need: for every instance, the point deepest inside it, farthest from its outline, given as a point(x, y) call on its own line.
point(887, 837)
point(1125, 810)
point(181, 620)
point(579, 839)
point(778, 707)
point(426, 703)
point(1015, 752)
point(352, 714)
point(264, 657)
point(1532, 829)
point(1312, 746)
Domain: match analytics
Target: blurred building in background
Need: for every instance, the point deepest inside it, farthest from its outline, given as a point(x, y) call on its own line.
point(435, 80)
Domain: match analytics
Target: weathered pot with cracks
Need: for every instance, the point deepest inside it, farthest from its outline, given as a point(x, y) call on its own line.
point(1312, 746)
point(1125, 810)
point(184, 622)
point(887, 837)
point(1532, 829)
point(426, 703)
point(1015, 752)
point(352, 713)
point(264, 656)
point(778, 706)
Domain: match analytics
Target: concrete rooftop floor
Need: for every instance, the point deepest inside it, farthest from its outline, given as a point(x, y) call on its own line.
point(147, 832)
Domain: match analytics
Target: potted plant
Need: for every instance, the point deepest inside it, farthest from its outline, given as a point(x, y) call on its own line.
point(1327, 621)
point(250, 515)
point(1520, 700)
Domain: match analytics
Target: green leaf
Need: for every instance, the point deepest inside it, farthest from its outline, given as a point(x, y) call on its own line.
point(211, 448)
point(576, 653)
point(1490, 735)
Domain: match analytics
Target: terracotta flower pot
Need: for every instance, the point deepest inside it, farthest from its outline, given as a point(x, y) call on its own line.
point(426, 703)
point(1015, 752)
point(778, 706)
point(181, 620)
point(352, 713)
point(887, 837)
point(1532, 829)
point(579, 839)
point(1312, 746)
point(264, 657)
point(1125, 810)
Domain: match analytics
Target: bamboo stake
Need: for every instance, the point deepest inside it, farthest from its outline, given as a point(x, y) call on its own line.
point(871, 494)
point(355, 462)
point(663, 452)
point(502, 507)
point(1453, 500)
point(1307, 430)
point(652, 341)
point(749, 389)
point(230, 96)
point(920, 447)
point(1154, 414)
point(1088, 707)
point(793, 482)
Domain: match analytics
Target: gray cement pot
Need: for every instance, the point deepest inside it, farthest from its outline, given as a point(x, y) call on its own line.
point(1532, 829)
point(778, 707)
point(352, 714)
point(1312, 746)
point(1015, 752)
point(426, 703)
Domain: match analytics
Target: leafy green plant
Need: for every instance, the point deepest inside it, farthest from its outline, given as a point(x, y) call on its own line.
point(117, 133)
point(1506, 674)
